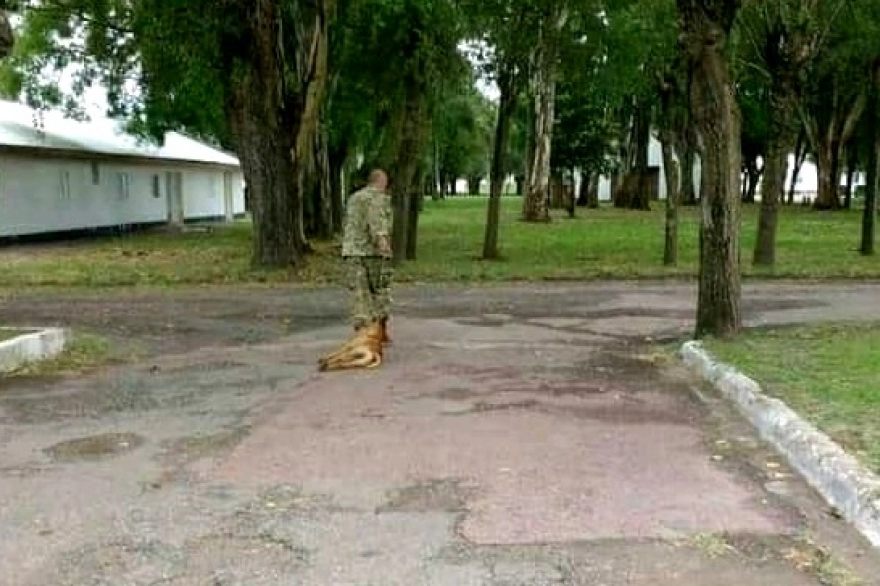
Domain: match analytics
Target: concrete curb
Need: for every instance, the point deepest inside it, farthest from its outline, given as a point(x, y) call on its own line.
point(37, 344)
point(841, 480)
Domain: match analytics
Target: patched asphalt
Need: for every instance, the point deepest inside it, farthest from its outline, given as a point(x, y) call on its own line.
point(516, 436)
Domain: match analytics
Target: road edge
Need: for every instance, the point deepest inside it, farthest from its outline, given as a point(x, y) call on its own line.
point(38, 344)
point(837, 476)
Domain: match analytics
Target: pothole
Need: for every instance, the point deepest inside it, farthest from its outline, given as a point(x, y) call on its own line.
point(95, 447)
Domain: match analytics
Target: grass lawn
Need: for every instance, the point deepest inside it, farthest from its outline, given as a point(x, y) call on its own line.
point(828, 373)
point(9, 333)
point(604, 243)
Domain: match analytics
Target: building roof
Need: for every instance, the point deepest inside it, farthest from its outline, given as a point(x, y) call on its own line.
point(101, 136)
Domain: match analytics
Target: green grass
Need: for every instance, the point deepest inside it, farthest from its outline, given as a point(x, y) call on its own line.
point(828, 373)
point(83, 352)
point(604, 243)
point(9, 333)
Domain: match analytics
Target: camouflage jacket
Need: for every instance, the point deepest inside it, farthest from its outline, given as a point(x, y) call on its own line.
point(367, 217)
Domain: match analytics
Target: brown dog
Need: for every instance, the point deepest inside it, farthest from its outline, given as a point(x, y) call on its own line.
point(364, 350)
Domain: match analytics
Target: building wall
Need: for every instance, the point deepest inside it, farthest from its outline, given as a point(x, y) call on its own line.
point(655, 159)
point(53, 194)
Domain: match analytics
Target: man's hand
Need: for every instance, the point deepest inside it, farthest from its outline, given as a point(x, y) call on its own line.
point(384, 246)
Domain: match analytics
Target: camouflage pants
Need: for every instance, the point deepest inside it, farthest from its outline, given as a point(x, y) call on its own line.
point(369, 282)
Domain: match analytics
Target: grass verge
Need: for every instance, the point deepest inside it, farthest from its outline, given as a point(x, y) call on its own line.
point(603, 243)
point(7, 333)
point(827, 373)
point(83, 352)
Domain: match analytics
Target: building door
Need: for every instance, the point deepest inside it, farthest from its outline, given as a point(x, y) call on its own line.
point(174, 196)
point(228, 198)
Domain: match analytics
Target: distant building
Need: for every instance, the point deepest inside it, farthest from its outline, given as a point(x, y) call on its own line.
point(60, 175)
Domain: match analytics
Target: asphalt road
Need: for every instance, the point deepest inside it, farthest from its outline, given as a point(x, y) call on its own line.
point(516, 436)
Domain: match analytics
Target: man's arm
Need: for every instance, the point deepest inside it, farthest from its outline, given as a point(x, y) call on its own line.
point(379, 225)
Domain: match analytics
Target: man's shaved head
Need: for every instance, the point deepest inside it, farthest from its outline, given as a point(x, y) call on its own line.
point(378, 179)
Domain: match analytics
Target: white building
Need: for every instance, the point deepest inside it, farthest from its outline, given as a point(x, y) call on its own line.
point(806, 185)
point(58, 175)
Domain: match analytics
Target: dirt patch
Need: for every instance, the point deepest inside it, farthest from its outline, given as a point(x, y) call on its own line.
point(457, 394)
point(445, 495)
point(147, 562)
point(186, 450)
point(242, 559)
point(576, 389)
point(95, 447)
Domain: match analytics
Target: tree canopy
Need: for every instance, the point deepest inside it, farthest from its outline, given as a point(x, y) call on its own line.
point(309, 94)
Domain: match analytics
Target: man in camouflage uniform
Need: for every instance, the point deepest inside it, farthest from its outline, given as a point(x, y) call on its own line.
point(366, 251)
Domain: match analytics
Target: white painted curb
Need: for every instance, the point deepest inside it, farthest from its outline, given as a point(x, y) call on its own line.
point(39, 344)
point(841, 480)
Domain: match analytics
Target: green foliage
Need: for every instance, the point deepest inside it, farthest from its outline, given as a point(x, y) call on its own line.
point(375, 44)
point(583, 130)
point(161, 63)
point(463, 126)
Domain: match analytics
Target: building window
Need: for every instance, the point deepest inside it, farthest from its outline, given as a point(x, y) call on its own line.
point(124, 186)
point(65, 185)
point(157, 187)
point(96, 173)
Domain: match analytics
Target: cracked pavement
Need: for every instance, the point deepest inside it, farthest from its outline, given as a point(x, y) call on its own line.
point(519, 435)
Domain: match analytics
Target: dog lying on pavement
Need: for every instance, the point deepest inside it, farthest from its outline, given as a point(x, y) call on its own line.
point(364, 350)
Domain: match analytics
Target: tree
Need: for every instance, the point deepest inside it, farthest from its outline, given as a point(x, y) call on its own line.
point(462, 133)
point(833, 103)
point(219, 70)
point(391, 59)
point(781, 38)
point(582, 132)
point(869, 214)
point(706, 27)
point(7, 39)
point(672, 122)
point(641, 45)
point(553, 17)
point(501, 31)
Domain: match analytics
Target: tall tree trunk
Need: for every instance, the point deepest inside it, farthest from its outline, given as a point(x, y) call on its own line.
point(405, 170)
point(800, 155)
point(640, 199)
point(706, 26)
point(593, 194)
point(412, 226)
point(336, 162)
point(829, 144)
point(262, 128)
point(771, 195)
point(535, 208)
point(313, 181)
point(852, 162)
point(309, 154)
point(673, 176)
point(7, 38)
point(584, 189)
point(783, 96)
point(473, 182)
point(506, 108)
point(869, 214)
point(672, 123)
point(828, 178)
point(688, 190)
point(753, 174)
